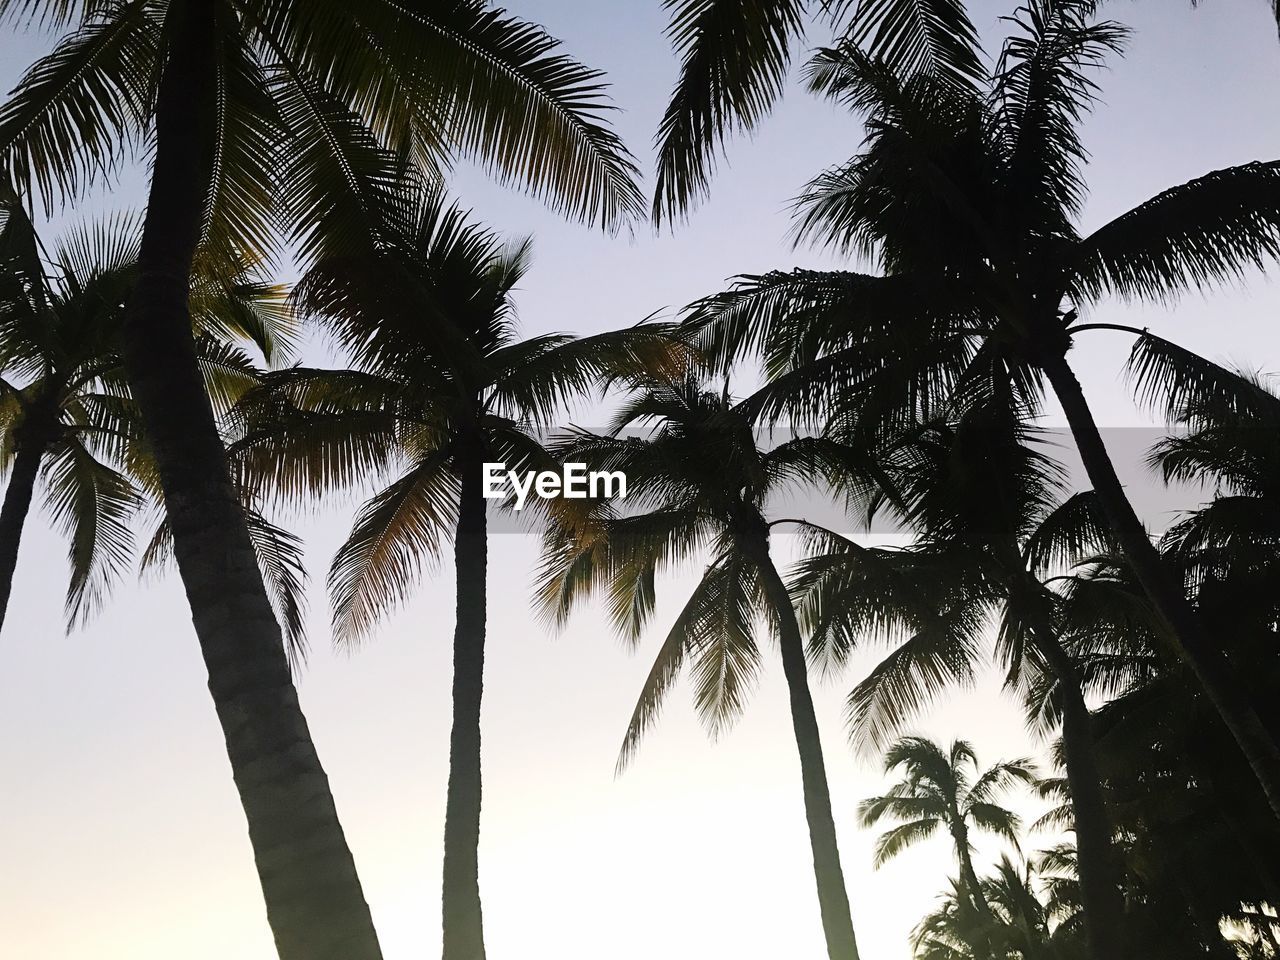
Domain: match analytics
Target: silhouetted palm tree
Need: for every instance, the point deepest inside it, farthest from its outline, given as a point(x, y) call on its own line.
point(697, 480)
point(1021, 926)
point(995, 533)
point(440, 385)
point(276, 111)
point(944, 790)
point(65, 411)
point(968, 199)
point(735, 55)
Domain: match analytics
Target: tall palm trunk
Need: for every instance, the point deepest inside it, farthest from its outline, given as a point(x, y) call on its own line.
point(833, 899)
point(463, 922)
point(968, 874)
point(1208, 663)
point(33, 436)
point(1097, 859)
point(314, 901)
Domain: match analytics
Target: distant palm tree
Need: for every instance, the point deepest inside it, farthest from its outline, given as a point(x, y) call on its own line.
point(65, 410)
point(440, 385)
point(944, 790)
point(261, 112)
point(968, 200)
point(1020, 926)
point(696, 480)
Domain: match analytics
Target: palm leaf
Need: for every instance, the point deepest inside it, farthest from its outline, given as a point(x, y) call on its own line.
point(714, 628)
point(934, 37)
point(1074, 530)
point(398, 530)
point(531, 114)
point(1204, 232)
point(892, 842)
point(734, 57)
point(76, 109)
point(93, 505)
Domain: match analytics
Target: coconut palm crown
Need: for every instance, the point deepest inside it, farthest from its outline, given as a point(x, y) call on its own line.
point(968, 200)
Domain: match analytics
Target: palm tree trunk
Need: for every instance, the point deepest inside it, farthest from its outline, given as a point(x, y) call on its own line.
point(31, 441)
point(1208, 664)
point(833, 899)
point(463, 922)
point(970, 876)
point(314, 901)
point(1097, 860)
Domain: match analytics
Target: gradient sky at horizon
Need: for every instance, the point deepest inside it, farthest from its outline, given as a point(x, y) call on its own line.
point(121, 836)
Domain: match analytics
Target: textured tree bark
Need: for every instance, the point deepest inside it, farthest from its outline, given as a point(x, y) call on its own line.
point(1097, 858)
point(460, 895)
point(833, 898)
point(32, 438)
point(314, 901)
point(1207, 662)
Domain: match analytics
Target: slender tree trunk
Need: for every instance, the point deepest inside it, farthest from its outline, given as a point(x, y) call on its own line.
point(31, 440)
point(314, 901)
point(1208, 663)
point(970, 876)
point(463, 922)
point(833, 899)
point(1097, 859)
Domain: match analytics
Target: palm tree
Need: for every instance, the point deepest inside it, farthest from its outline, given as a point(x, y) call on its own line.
point(696, 480)
point(1194, 833)
point(1021, 925)
point(66, 410)
point(967, 198)
point(265, 111)
point(734, 60)
point(994, 535)
point(943, 789)
point(440, 386)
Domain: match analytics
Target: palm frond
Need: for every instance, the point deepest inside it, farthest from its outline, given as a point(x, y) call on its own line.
point(1189, 388)
point(305, 432)
point(1205, 232)
point(240, 208)
point(1042, 89)
point(532, 114)
point(892, 842)
point(734, 56)
point(910, 678)
point(280, 558)
point(394, 534)
point(339, 187)
point(538, 378)
point(995, 819)
point(713, 631)
point(933, 37)
point(93, 505)
point(1071, 532)
point(76, 110)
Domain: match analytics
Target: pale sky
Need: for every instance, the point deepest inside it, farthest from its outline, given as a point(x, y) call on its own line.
point(121, 836)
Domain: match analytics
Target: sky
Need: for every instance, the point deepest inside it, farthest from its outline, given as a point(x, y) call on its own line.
point(121, 835)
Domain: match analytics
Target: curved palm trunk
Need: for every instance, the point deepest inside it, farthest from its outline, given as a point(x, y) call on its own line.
point(31, 442)
point(460, 895)
point(1208, 664)
point(970, 876)
point(833, 899)
point(314, 901)
point(1096, 855)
